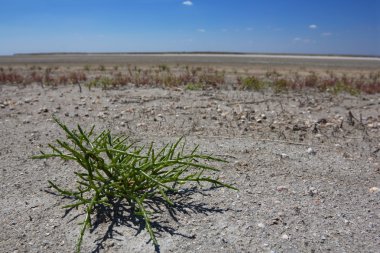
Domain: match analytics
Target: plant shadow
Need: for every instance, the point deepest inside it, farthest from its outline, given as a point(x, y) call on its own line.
point(122, 213)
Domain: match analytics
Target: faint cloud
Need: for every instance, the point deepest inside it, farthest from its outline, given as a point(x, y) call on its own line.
point(249, 29)
point(326, 34)
point(224, 30)
point(201, 30)
point(313, 27)
point(187, 3)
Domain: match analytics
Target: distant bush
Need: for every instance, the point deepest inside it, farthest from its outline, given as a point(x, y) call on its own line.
point(281, 85)
point(252, 83)
point(194, 86)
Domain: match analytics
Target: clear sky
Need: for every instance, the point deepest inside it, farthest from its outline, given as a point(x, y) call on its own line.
point(272, 26)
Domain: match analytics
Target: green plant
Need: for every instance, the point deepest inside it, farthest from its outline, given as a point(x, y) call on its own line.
point(252, 83)
point(104, 82)
point(114, 169)
point(163, 67)
point(341, 87)
point(194, 86)
point(280, 85)
point(87, 67)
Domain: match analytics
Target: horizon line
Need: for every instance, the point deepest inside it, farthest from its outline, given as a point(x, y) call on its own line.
point(189, 52)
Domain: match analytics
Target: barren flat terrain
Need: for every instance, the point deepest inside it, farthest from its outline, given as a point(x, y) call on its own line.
point(306, 162)
point(271, 61)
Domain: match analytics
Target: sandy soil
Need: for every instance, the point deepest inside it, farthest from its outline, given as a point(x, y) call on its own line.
point(307, 171)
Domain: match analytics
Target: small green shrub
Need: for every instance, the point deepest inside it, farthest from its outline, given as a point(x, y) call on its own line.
point(112, 169)
point(104, 82)
point(164, 67)
point(341, 87)
point(280, 85)
point(252, 83)
point(194, 86)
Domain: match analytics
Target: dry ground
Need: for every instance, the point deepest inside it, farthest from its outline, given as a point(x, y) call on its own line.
point(306, 164)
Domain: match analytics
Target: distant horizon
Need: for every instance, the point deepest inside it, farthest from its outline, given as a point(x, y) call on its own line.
point(189, 52)
point(324, 27)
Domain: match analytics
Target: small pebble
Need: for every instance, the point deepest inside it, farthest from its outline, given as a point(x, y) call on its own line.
point(285, 237)
point(43, 110)
point(101, 115)
point(374, 190)
point(282, 188)
point(312, 191)
point(261, 225)
point(311, 151)
point(283, 155)
point(26, 121)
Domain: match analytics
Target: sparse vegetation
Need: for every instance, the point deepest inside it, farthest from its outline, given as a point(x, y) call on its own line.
point(86, 68)
point(192, 78)
point(251, 83)
point(280, 85)
point(341, 87)
point(164, 67)
point(104, 82)
point(194, 86)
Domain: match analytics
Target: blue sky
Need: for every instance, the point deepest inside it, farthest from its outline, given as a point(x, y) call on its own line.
point(273, 26)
